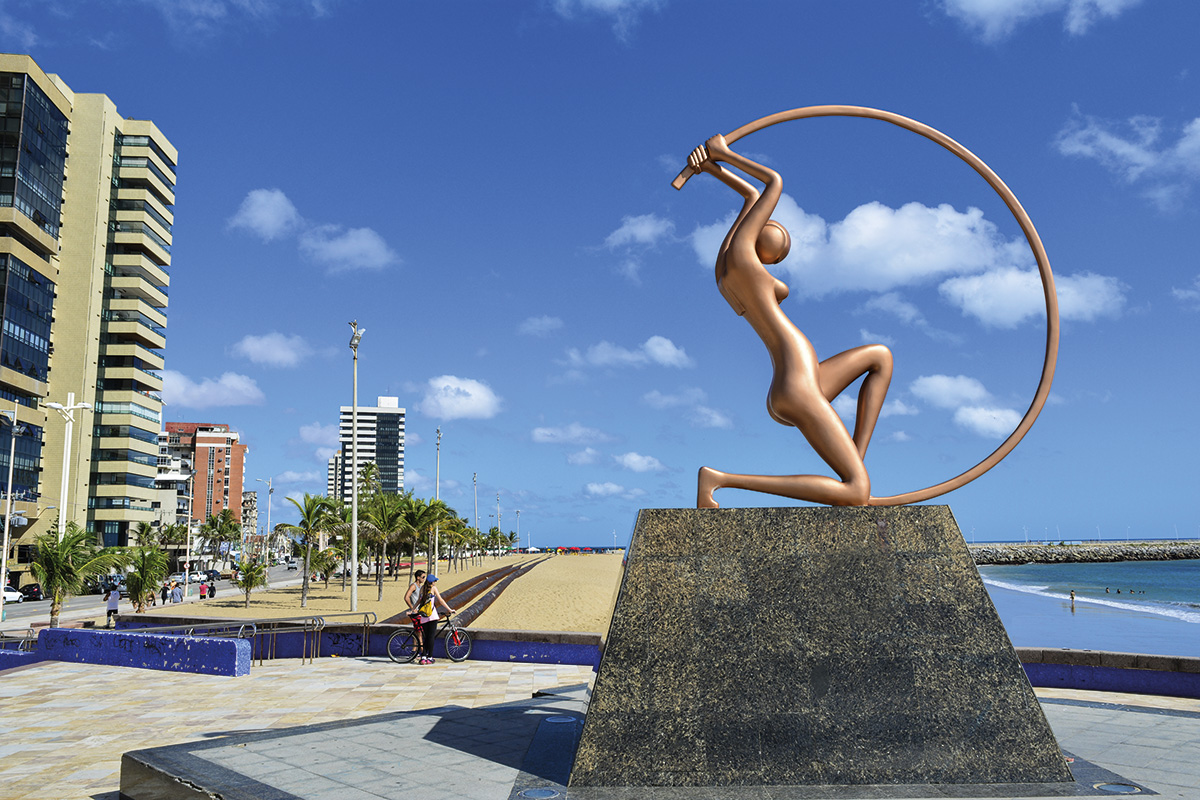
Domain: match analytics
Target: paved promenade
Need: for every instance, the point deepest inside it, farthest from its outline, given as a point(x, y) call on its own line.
point(333, 730)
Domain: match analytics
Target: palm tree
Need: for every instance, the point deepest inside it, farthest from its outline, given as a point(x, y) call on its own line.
point(316, 514)
point(148, 568)
point(420, 517)
point(252, 575)
point(145, 534)
point(386, 523)
point(325, 562)
point(61, 567)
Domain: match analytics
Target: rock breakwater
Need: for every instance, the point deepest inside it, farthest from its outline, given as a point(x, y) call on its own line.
point(1084, 553)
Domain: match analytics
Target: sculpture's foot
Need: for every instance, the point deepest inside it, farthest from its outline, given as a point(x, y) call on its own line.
point(708, 481)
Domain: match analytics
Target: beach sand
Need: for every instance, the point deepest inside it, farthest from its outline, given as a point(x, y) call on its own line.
point(563, 593)
point(285, 602)
point(566, 593)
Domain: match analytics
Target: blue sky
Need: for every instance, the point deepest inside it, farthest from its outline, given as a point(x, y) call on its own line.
point(485, 187)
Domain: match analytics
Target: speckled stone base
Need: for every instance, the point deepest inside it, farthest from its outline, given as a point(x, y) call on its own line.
point(808, 646)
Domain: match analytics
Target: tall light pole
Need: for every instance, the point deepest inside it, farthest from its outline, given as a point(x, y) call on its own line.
point(437, 495)
point(519, 528)
point(270, 491)
point(475, 485)
point(355, 338)
point(12, 456)
point(67, 412)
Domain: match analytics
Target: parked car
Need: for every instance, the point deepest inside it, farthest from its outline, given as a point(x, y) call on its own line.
point(175, 577)
point(212, 574)
point(33, 591)
point(11, 595)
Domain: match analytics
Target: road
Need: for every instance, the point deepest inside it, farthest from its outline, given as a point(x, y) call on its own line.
point(19, 616)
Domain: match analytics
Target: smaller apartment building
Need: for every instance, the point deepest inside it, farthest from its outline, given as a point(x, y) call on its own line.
point(205, 465)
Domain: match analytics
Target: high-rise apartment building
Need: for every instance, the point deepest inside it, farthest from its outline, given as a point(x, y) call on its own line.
point(250, 512)
point(97, 249)
point(206, 464)
point(380, 440)
point(35, 110)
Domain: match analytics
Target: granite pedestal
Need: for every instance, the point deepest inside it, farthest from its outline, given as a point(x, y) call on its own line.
point(809, 646)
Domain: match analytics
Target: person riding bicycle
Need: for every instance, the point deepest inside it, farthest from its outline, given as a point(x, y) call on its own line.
point(423, 612)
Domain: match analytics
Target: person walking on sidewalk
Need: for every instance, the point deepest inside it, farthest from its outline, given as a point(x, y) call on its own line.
point(113, 597)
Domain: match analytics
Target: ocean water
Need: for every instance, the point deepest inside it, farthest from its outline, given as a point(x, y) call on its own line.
point(1157, 610)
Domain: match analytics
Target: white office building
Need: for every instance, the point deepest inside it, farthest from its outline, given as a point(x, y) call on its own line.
point(380, 440)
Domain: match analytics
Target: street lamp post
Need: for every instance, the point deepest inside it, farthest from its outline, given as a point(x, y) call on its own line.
point(355, 338)
point(437, 495)
point(270, 491)
point(67, 412)
point(12, 455)
point(519, 529)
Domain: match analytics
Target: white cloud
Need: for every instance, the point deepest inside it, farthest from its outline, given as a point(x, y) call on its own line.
point(1189, 295)
point(324, 453)
point(973, 407)
point(291, 476)
point(647, 229)
point(1004, 298)
point(634, 237)
point(584, 457)
point(945, 391)
point(574, 433)
point(624, 13)
point(17, 35)
point(996, 19)
point(607, 489)
point(341, 250)
point(198, 18)
point(655, 350)
point(1138, 151)
point(267, 213)
point(316, 433)
point(231, 389)
point(273, 349)
point(684, 397)
point(898, 408)
point(637, 462)
point(449, 397)
point(870, 337)
point(893, 304)
point(692, 398)
point(987, 421)
point(899, 436)
point(705, 417)
point(539, 326)
point(878, 249)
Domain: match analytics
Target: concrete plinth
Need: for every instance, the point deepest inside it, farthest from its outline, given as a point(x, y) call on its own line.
point(809, 646)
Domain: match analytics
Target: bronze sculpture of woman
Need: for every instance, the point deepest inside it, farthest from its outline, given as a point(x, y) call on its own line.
point(802, 388)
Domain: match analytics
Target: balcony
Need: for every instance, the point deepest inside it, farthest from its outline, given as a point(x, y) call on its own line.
point(138, 288)
point(140, 265)
point(133, 306)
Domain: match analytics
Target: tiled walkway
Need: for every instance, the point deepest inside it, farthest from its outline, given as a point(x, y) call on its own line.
point(66, 725)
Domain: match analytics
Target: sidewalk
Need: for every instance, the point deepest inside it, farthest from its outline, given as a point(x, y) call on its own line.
point(344, 728)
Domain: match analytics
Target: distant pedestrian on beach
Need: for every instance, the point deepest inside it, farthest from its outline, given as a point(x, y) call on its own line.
point(113, 597)
point(1072, 599)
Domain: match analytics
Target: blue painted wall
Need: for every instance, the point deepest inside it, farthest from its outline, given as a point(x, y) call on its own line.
point(146, 650)
point(1112, 679)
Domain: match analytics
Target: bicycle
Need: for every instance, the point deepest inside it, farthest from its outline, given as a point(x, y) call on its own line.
point(402, 645)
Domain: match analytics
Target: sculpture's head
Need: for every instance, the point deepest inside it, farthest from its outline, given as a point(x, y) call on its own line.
point(773, 243)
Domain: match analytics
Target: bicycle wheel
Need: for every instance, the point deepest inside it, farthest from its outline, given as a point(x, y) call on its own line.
point(458, 644)
point(402, 647)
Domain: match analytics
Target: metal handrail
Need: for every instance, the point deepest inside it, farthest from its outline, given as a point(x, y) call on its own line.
point(25, 642)
point(368, 619)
